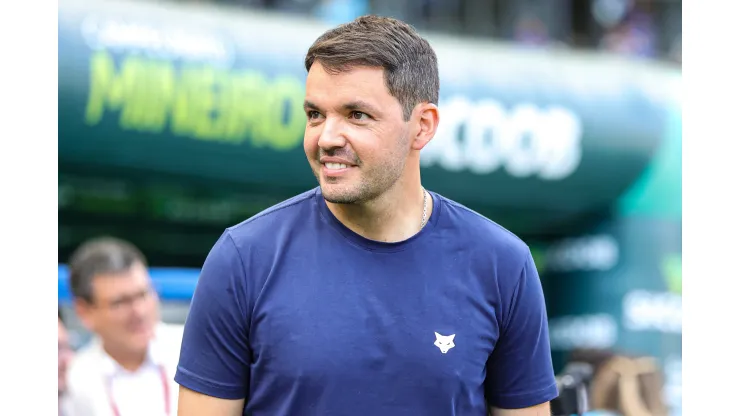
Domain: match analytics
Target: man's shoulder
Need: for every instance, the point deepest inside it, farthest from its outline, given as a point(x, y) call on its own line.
point(168, 334)
point(165, 346)
point(482, 232)
point(85, 362)
point(266, 223)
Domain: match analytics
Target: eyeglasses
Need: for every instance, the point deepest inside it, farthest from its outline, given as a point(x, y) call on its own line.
point(123, 302)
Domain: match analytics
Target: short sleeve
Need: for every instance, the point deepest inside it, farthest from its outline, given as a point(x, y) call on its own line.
point(519, 372)
point(214, 355)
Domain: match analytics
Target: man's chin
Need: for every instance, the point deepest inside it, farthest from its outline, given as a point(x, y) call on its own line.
point(342, 200)
point(140, 339)
point(338, 196)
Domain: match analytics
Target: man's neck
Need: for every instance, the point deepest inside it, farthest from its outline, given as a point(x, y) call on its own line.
point(131, 361)
point(394, 216)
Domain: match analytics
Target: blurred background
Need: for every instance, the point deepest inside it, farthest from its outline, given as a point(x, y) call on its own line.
point(560, 120)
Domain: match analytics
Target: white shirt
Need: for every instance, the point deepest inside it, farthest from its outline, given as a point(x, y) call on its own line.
point(97, 384)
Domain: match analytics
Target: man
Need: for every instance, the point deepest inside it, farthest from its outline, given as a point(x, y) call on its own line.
point(65, 354)
point(368, 295)
point(128, 368)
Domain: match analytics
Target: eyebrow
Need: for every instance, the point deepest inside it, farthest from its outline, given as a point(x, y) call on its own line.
point(357, 105)
point(308, 105)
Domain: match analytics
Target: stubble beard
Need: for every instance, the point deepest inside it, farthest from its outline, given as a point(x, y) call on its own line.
point(372, 182)
point(368, 187)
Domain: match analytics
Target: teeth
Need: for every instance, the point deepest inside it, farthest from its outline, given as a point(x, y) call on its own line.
point(334, 166)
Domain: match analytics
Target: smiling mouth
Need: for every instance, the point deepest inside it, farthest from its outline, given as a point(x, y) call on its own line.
point(335, 166)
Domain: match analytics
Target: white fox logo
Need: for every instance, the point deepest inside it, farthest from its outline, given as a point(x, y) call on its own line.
point(444, 342)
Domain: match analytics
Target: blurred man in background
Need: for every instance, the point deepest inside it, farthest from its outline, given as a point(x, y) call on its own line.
point(128, 367)
point(65, 354)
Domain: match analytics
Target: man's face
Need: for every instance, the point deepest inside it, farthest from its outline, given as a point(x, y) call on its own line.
point(125, 309)
point(356, 140)
point(65, 354)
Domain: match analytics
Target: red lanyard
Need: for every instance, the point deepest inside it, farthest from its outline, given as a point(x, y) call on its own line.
point(165, 388)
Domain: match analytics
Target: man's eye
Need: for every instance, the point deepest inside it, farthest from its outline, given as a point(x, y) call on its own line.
point(359, 115)
point(313, 115)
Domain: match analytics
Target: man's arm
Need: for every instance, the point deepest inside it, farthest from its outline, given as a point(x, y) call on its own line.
point(539, 410)
point(519, 372)
point(192, 403)
point(215, 356)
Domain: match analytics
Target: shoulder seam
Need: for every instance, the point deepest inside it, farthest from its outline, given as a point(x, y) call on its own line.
point(244, 312)
point(492, 222)
point(513, 301)
point(272, 210)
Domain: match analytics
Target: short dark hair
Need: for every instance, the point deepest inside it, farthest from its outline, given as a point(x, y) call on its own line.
point(103, 255)
point(409, 62)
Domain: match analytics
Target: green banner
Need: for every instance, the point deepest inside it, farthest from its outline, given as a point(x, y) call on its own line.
point(536, 140)
point(618, 287)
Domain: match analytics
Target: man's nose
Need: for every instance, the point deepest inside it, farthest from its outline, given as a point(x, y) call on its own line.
point(333, 134)
point(140, 305)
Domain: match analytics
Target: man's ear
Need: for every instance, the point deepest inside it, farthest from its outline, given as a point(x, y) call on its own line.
point(83, 309)
point(426, 120)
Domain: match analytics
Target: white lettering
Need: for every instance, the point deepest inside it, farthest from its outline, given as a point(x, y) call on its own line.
point(648, 311)
point(156, 41)
point(526, 140)
point(589, 253)
point(583, 331)
point(483, 146)
point(561, 151)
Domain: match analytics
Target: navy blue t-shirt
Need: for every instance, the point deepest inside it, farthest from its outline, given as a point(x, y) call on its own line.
point(301, 316)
